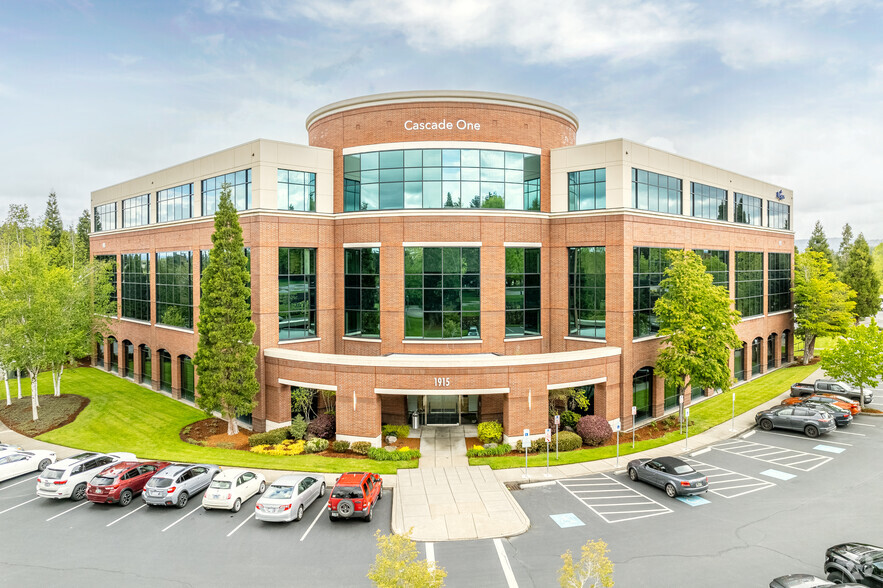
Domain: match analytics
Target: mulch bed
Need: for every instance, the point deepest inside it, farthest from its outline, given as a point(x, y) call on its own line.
point(213, 433)
point(53, 412)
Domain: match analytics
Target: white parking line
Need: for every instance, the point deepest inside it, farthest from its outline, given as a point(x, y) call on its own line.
point(17, 505)
point(606, 501)
point(816, 440)
point(313, 524)
point(848, 433)
point(68, 510)
point(32, 478)
point(723, 481)
point(749, 449)
point(240, 524)
point(863, 424)
point(125, 515)
point(430, 554)
point(181, 519)
point(504, 561)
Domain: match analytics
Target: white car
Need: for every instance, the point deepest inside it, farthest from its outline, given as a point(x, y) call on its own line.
point(68, 477)
point(231, 488)
point(7, 448)
point(16, 463)
point(288, 497)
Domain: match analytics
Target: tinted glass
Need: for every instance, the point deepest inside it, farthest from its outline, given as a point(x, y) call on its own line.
point(221, 484)
point(101, 481)
point(279, 492)
point(350, 492)
point(50, 474)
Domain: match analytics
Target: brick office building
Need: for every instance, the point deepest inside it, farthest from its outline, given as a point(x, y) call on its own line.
point(451, 253)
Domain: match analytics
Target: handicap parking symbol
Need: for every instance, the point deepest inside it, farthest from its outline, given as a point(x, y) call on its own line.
point(693, 500)
point(567, 519)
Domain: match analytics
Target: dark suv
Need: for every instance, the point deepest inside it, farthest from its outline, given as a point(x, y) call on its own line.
point(855, 562)
point(811, 421)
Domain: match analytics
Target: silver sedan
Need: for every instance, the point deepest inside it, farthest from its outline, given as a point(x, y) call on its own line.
point(675, 476)
point(287, 498)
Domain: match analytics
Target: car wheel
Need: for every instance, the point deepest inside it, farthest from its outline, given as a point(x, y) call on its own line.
point(300, 512)
point(811, 431)
point(345, 508)
point(766, 424)
point(633, 474)
point(322, 490)
point(262, 488)
point(237, 505)
point(380, 495)
point(671, 490)
point(79, 492)
point(370, 515)
point(43, 465)
point(125, 498)
point(838, 577)
point(182, 500)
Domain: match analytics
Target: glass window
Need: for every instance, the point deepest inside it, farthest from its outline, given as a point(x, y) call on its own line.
point(649, 265)
point(187, 388)
point(442, 292)
point(362, 292)
point(297, 293)
point(146, 364)
point(749, 283)
point(785, 359)
point(771, 351)
point(136, 211)
point(296, 190)
point(587, 190)
point(114, 352)
point(739, 363)
point(642, 392)
point(174, 203)
point(112, 260)
point(165, 370)
point(240, 191)
point(708, 201)
point(106, 217)
point(755, 356)
point(747, 209)
point(522, 291)
point(671, 395)
point(174, 289)
point(135, 277)
point(778, 215)
point(586, 291)
point(656, 192)
point(717, 263)
point(441, 178)
point(778, 282)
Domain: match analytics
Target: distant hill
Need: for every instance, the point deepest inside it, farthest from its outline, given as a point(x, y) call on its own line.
point(834, 244)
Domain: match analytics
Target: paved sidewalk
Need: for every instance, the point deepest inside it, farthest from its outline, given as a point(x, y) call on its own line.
point(445, 447)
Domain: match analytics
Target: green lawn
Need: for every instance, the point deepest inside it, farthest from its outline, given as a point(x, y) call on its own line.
point(123, 416)
point(709, 413)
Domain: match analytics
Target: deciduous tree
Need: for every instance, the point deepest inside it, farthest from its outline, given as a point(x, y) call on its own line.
point(593, 570)
point(859, 274)
point(823, 305)
point(225, 355)
point(398, 565)
point(857, 359)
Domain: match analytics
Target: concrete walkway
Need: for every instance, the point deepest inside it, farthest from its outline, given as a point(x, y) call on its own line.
point(445, 447)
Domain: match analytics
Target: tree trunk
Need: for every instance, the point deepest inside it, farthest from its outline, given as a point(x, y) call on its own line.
point(56, 381)
point(34, 402)
point(18, 377)
point(232, 425)
point(8, 397)
point(861, 400)
point(809, 348)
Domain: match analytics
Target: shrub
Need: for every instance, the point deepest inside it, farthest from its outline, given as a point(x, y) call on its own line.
point(298, 427)
point(323, 426)
point(569, 419)
point(594, 430)
point(380, 454)
point(273, 437)
point(532, 449)
point(479, 451)
point(360, 447)
point(340, 446)
point(283, 449)
point(405, 448)
point(400, 431)
point(567, 441)
point(490, 431)
point(316, 445)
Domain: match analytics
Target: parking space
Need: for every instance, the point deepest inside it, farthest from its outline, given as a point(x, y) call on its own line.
point(612, 500)
point(779, 456)
point(727, 483)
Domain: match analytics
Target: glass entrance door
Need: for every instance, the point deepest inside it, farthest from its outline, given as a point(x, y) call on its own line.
point(442, 410)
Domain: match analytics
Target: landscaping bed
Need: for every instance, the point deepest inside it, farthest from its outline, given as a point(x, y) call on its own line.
point(54, 412)
point(213, 433)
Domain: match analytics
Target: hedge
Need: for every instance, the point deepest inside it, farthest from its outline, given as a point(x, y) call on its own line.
point(490, 431)
point(501, 449)
point(380, 454)
point(274, 437)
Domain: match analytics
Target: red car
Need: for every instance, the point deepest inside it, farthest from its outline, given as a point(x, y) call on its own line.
point(122, 481)
point(354, 495)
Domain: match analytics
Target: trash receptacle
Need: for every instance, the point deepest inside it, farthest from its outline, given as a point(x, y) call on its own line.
point(415, 420)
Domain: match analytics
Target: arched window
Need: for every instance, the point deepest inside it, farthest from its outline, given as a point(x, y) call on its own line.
point(99, 354)
point(739, 363)
point(755, 355)
point(786, 358)
point(165, 370)
point(146, 364)
point(185, 364)
point(771, 351)
point(129, 350)
point(642, 392)
point(114, 350)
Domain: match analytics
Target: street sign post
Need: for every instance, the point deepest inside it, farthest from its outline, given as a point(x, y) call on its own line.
point(616, 425)
point(681, 411)
point(634, 414)
point(687, 419)
point(557, 422)
point(548, 443)
point(733, 424)
point(525, 442)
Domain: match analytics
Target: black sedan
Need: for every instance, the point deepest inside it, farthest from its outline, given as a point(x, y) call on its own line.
point(842, 417)
point(676, 476)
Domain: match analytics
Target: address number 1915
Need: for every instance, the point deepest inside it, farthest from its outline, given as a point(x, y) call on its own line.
point(445, 382)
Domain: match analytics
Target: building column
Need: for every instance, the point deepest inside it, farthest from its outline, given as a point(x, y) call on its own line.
point(154, 369)
point(176, 377)
point(137, 368)
point(108, 351)
point(764, 343)
point(657, 397)
point(121, 359)
point(358, 420)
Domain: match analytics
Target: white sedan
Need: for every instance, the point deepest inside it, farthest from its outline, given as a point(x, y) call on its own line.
point(231, 488)
point(5, 448)
point(16, 463)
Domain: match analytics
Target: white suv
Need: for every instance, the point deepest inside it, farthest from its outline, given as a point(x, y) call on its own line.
point(67, 478)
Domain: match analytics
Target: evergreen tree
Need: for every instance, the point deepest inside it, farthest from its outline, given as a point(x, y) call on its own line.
point(225, 354)
point(52, 222)
point(819, 242)
point(84, 226)
point(859, 275)
point(823, 305)
point(843, 250)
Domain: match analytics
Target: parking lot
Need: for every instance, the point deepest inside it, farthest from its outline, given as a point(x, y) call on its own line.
point(776, 501)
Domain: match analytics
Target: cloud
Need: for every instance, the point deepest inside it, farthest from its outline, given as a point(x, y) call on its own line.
point(210, 44)
point(125, 59)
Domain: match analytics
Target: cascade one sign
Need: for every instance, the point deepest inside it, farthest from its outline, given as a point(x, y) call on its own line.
point(442, 125)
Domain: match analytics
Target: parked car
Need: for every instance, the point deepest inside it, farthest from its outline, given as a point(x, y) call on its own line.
point(840, 388)
point(354, 495)
point(122, 481)
point(855, 562)
point(6, 448)
point(229, 489)
point(839, 401)
point(803, 581)
point(842, 417)
point(16, 463)
point(175, 484)
point(68, 478)
point(812, 421)
point(675, 476)
point(287, 498)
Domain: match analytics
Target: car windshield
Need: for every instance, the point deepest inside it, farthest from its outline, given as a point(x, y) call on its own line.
point(50, 474)
point(101, 481)
point(684, 469)
point(222, 484)
point(160, 482)
point(279, 492)
point(347, 492)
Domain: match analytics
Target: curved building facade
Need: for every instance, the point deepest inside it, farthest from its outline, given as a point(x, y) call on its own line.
point(453, 254)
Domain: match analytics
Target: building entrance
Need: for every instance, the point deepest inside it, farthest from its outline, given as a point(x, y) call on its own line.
point(442, 410)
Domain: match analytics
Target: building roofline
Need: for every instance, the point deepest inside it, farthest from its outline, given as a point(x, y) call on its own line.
point(441, 96)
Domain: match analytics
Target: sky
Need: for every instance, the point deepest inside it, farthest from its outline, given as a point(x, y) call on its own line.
point(787, 91)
